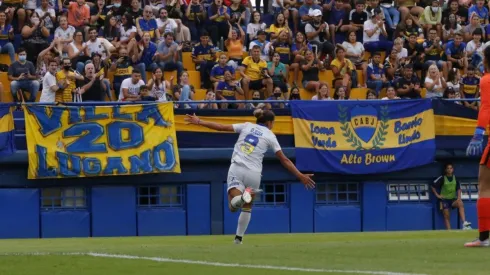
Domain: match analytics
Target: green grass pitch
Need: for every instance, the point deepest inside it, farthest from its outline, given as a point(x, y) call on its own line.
point(384, 253)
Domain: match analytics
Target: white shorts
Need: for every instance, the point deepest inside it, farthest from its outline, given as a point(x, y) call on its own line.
point(240, 177)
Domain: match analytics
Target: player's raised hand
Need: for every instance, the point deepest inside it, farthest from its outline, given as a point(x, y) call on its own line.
point(192, 119)
point(476, 144)
point(307, 180)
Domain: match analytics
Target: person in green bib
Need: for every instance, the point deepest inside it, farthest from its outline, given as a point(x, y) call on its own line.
point(449, 196)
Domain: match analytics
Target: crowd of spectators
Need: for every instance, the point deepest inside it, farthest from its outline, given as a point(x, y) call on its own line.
point(68, 49)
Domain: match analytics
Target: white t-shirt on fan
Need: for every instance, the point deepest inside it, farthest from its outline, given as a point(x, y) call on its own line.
point(133, 89)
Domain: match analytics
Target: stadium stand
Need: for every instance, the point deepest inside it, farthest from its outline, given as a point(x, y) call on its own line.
point(427, 50)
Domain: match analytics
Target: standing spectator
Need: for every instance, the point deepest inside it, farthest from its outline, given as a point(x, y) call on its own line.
point(415, 53)
point(227, 89)
point(372, 30)
point(343, 70)
point(204, 57)
point(376, 78)
point(254, 73)
point(78, 14)
point(279, 72)
point(470, 87)
point(135, 10)
point(451, 27)
point(35, 37)
point(218, 14)
point(235, 44)
point(130, 87)
point(68, 79)
point(318, 34)
point(63, 34)
point(392, 66)
point(336, 20)
point(305, 13)
point(122, 69)
point(392, 15)
point(158, 86)
point(148, 24)
point(433, 49)
point(15, 7)
point(450, 196)
point(431, 18)
point(480, 10)
point(77, 53)
point(472, 26)
point(354, 51)
point(168, 54)
point(278, 26)
point(128, 31)
point(195, 15)
point(42, 62)
point(22, 75)
point(311, 67)
point(434, 83)
point(357, 17)
point(174, 26)
point(455, 53)
point(47, 14)
point(408, 86)
point(237, 14)
point(263, 45)
point(144, 55)
point(453, 81)
point(255, 26)
point(298, 51)
point(98, 45)
point(474, 49)
point(218, 71)
point(6, 36)
point(323, 93)
point(92, 87)
point(50, 86)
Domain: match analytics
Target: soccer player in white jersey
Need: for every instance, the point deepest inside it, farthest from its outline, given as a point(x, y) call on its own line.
point(246, 163)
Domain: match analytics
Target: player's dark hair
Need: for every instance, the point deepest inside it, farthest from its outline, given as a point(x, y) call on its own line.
point(263, 116)
point(486, 54)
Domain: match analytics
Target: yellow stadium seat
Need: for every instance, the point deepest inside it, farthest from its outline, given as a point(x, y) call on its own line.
point(187, 61)
point(5, 59)
point(7, 96)
point(195, 79)
point(305, 94)
point(423, 92)
point(168, 75)
point(358, 93)
point(200, 94)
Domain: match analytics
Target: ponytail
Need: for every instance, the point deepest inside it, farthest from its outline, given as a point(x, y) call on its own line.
point(262, 115)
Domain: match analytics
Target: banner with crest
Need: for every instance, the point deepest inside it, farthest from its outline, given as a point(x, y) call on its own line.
point(363, 137)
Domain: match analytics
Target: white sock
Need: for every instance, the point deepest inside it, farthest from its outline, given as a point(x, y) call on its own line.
point(243, 222)
point(237, 202)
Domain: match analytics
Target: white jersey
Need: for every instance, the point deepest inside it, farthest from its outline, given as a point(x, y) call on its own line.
point(252, 144)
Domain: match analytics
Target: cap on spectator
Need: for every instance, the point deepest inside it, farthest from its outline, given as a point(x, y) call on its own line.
point(261, 32)
point(314, 13)
point(96, 53)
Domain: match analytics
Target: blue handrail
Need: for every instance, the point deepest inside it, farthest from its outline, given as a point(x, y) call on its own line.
point(111, 103)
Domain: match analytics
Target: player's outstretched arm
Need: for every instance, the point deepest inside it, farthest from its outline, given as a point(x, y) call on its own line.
point(193, 119)
point(288, 164)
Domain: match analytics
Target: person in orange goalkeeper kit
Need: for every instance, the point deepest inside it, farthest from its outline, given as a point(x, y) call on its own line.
point(475, 149)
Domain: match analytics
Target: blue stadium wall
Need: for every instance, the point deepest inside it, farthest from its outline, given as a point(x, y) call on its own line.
point(196, 203)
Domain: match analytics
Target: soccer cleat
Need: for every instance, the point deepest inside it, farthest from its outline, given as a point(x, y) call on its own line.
point(238, 240)
point(247, 195)
point(467, 226)
point(478, 243)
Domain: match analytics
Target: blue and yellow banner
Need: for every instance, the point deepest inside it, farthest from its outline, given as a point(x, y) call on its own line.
point(356, 137)
point(7, 133)
point(88, 141)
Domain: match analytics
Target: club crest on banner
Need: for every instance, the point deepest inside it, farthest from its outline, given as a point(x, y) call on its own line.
point(364, 127)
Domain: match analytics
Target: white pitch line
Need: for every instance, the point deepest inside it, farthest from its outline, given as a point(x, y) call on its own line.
point(271, 267)
point(206, 263)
